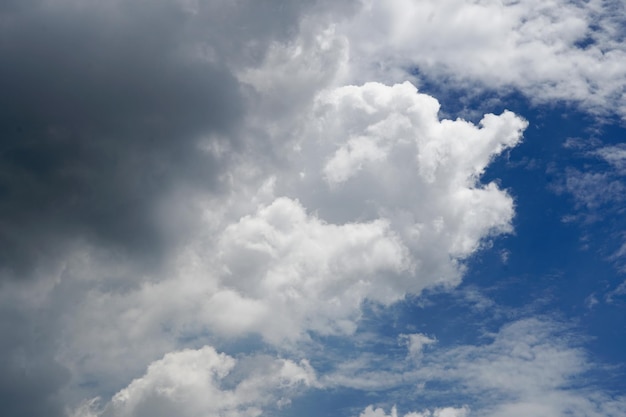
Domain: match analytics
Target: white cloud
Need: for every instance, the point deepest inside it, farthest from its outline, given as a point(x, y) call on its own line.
point(383, 152)
point(370, 411)
point(592, 191)
point(390, 218)
point(536, 46)
point(304, 262)
point(204, 382)
point(416, 343)
point(619, 291)
point(533, 366)
point(292, 72)
point(301, 271)
point(614, 155)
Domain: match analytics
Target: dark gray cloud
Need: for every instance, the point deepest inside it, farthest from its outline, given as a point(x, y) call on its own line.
point(31, 378)
point(102, 106)
point(100, 114)
point(101, 110)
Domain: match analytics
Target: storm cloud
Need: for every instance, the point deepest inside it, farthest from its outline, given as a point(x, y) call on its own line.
point(103, 109)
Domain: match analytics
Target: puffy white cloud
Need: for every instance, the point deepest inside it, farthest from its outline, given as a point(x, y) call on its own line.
point(301, 271)
point(383, 152)
point(370, 411)
point(204, 382)
point(550, 50)
point(383, 199)
point(375, 229)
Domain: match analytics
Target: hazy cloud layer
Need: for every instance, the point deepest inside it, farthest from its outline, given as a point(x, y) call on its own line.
point(530, 366)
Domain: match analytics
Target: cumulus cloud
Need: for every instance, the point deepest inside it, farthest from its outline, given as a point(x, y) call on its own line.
point(294, 265)
point(290, 251)
point(370, 411)
point(305, 262)
point(549, 50)
point(176, 173)
point(383, 152)
point(205, 382)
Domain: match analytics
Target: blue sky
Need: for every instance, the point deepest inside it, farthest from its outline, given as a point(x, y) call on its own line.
point(402, 208)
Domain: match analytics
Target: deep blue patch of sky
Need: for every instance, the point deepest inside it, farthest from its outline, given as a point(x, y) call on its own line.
point(553, 266)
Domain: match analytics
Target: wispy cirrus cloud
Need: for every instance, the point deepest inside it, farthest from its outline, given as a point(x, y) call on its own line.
point(534, 365)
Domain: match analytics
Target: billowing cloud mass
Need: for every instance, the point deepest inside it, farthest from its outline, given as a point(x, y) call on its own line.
point(197, 195)
point(283, 271)
point(203, 382)
point(550, 50)
point(409, 210)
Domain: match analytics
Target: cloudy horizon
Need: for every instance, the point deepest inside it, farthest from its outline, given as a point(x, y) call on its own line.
point(363, 208)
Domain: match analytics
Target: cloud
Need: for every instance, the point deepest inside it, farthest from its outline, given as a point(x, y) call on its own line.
point(286, 256)
point(195, 382)
point(619, 291)
point(592, 190)
point(101, 112)
point(548, 50)
point(115, 120)
point(597, 191)
point(383, 152)
point(438, 412)
point(615, 156)
point(532, 366)
point(299, 270)
point(416, 343)
point(107, 107)
point(284, 263)
point(182, 173)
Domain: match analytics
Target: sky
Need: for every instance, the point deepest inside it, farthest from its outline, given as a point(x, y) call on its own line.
point(363, 208)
